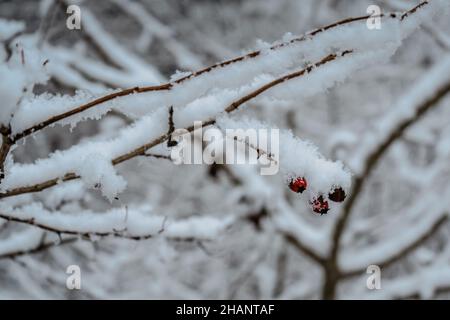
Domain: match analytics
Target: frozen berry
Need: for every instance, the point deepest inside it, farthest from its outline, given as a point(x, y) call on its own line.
point(319, 205)
point(338, 195)
point(298, 185)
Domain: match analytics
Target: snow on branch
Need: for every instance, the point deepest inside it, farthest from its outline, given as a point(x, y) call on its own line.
point(421, 98)
point(132, 141)
point(296, 158)
point(21, 242)
point(130, 224)
point(273, 60)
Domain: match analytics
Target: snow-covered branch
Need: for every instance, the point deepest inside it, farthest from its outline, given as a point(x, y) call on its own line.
point(128, 224)
point(343, 34)
point(29, 242)
point(23, 179)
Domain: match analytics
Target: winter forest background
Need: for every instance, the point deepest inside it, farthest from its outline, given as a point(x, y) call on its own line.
point(88, 180)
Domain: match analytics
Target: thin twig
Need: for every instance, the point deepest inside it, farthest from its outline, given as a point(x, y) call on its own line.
point(4, 150)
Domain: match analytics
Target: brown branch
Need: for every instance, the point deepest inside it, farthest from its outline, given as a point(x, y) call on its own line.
point(84, 107)
point(426, 27)
point(141, 151)
point(387, 262)
point(39, 186)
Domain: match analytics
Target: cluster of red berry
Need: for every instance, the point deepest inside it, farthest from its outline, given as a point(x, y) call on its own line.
point(319, 204)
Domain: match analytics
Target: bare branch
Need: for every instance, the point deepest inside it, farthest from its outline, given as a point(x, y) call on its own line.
point(4, 150)
point(90, 234)
point(411, 11)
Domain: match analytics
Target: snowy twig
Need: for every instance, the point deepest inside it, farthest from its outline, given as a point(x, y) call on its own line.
point(234, 105)
point(440, 38)
point(169, 85)
point(79, 109)
point(141, 151)
point(54, 224)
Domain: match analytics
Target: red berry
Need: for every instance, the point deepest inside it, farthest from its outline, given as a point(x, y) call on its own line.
point(319, 205)
point(298, 185)
point(338, 195)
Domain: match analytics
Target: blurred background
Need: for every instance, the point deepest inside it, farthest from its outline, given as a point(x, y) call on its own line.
point(252, 259)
